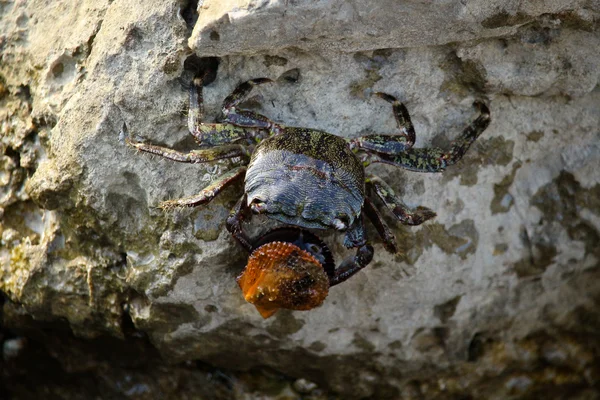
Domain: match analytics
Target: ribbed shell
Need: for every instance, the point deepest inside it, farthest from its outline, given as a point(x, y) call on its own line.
point(281, 275)
point(306, 178)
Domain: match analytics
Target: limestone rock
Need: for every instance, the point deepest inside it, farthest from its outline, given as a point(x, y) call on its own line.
point(496, 297)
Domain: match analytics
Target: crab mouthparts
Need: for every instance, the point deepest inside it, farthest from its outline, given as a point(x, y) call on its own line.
point(281, 275)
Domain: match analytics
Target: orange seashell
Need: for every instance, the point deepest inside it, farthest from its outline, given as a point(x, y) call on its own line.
point(281, 275)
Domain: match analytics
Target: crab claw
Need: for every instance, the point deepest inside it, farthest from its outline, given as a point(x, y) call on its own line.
point(282, 275)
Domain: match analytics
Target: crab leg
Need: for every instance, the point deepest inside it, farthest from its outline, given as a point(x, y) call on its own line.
point(241, 91)
point(240, 212)
point(208, 193)
point(402, 117)
point(389, 241)
point(355, 237)
point(382, 144)
point(405, 215)
point(194, 156)
point(236, 123)
point(351, 266)
point(209, 134)
point(242, 117)
point(389, 144)
point(196, 107)
point(436, 159)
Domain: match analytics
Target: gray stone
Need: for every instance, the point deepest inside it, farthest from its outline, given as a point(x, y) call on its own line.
point(496, 297)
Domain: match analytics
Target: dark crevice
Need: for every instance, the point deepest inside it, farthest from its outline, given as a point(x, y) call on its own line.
point(441, 333)
point(189, 13)
point(127, 326)
point(205, 67)
point(217, 375)
point(44, 359)
point(15, 155)
point(46, 119)
point(24, 92)
point(92, 38)
point(476, 347)
point(291, 75)
point(446, 310)
point(3, 87)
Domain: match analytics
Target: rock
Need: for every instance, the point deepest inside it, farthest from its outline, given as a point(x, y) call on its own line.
point(251, 27)
point(496, 297)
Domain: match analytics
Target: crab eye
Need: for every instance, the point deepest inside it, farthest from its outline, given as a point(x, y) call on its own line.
point(257, 206)
point(341, 222)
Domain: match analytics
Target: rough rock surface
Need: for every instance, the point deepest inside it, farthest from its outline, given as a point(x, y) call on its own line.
point(498, 297)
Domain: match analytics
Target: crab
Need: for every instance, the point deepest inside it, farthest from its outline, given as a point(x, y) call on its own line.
point(307, 178)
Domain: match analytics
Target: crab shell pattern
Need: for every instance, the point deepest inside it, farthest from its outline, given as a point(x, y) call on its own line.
point(280, 274)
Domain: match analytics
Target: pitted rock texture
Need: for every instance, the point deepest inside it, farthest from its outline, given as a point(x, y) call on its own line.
point(496, 298)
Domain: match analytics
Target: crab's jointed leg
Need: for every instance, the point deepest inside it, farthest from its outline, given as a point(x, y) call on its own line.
point(194, 156)
point(196, 107)
point(389, 241)
point(437, 159)
point(405, 215)
point(402, 116)
point(208, 193)
point(241, 91)
point(389, 144)
point(237, 125)
point(355, 237)
point(241, 117)
point(381, 144)
point(239, 213)
point(350, 266)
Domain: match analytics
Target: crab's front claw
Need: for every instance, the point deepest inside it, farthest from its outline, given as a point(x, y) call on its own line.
point(281, 275)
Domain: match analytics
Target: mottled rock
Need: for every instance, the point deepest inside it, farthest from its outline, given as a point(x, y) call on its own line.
point(350, 26)
point(497, 297)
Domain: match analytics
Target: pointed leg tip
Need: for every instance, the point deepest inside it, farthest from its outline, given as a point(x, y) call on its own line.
point(425, 213)
point(415, 217)
point(387, 97)
point(391, 248)
point(482, 107)
point(258, 81)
